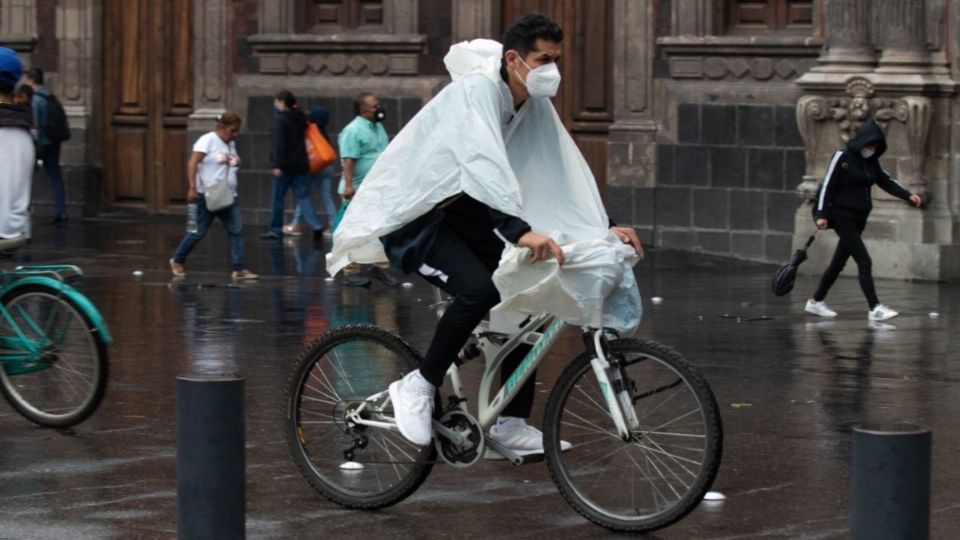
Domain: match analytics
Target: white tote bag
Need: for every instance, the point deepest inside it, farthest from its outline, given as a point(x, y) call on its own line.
point(218, 196)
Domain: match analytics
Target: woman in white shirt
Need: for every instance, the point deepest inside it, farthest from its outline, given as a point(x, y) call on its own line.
point(215, 160)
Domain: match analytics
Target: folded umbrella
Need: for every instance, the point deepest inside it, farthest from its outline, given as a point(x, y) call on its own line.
point(786, 275)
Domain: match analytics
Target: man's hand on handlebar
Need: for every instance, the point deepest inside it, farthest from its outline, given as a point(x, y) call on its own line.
point(541, 247)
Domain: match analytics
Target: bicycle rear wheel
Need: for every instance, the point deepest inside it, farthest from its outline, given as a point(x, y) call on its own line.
point(63, 383)
point(353, 465)
point(660, 474)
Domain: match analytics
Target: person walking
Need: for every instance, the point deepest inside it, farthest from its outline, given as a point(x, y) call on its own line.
point(23, 95)
point(48, 145)
point(844, 204)
point(361, 142)
point(18, 154)
point(215, 160)
point(290, 166)
point(321, 180)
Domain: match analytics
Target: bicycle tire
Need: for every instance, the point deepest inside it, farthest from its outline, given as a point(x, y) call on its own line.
point(76, 360)
point(688, 446)
point(376, 358)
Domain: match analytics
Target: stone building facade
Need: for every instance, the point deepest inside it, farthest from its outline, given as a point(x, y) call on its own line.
point(708, 123)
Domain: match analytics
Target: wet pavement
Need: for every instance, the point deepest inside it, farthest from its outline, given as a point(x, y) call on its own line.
point(790, 388)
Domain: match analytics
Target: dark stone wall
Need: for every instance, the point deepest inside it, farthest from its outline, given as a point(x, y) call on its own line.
point(253, 145)
point(244, 18)
point(434, 20)
point(727, 186)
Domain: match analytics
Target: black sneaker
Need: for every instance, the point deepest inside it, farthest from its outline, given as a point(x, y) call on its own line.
point(269, 236)
point(387, 275)
point(318, 237)
point(59, 220)
point(356, 280)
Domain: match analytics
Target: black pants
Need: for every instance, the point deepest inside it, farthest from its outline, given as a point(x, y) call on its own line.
point(461, 262)
point(850, 244)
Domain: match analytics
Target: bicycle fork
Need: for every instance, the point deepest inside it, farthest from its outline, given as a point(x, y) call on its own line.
point(617, 391)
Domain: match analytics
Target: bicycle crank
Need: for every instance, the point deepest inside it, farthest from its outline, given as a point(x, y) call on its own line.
point(468, 446)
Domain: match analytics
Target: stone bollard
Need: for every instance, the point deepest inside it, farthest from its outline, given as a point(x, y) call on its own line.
point(891, 482)
point(211, 496)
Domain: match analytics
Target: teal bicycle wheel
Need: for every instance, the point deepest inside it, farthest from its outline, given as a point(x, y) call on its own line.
point(54, 362)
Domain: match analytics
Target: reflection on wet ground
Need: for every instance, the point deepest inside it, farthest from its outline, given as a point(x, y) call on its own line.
point(790, 389)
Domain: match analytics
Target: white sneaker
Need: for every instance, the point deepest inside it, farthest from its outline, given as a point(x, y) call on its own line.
point(819, 308)
point(519, 437)
point(881, 313)
point(412, 398)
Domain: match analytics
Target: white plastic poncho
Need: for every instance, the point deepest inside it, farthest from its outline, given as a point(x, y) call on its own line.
point(468, 139)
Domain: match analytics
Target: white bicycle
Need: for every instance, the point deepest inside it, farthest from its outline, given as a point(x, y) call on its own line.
point(646, 432)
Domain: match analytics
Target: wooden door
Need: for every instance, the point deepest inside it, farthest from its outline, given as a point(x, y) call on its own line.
point(585, 99)
point(147, 97)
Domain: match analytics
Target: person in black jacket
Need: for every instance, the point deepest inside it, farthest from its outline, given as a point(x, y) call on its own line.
point(844, 203)
point(288, 154)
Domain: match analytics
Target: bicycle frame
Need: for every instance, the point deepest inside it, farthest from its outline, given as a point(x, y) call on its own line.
point(617, 395)
point(494, 355)
point(22, 348)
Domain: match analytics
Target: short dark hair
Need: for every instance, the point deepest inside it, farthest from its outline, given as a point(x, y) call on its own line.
point(287, 98)
point(358, 101)
point(24, 89)
point(35, 75)
point(523, 33)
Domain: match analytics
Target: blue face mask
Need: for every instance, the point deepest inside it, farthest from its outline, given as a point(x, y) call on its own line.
point(867, 153)
point(277, 108)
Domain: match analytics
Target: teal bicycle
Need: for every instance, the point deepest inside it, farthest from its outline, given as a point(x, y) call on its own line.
point(53, 346)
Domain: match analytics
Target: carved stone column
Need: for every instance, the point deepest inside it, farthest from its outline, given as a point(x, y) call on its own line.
point(474, 19)
point(76, 81)
point(848, 48)
point(901, 33)
point(77, 76)
point(631, 147)
point(18, 27)
point(909, 95)
point(276, 16)
point(209, 59)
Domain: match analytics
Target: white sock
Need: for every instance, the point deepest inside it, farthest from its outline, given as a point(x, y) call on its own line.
point(417, 378)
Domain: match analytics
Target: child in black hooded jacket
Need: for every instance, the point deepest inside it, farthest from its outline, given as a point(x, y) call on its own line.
point(844, 203)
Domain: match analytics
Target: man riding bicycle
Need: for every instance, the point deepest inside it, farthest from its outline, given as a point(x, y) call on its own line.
point(484, 164)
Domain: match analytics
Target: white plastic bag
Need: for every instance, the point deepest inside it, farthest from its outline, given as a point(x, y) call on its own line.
point(594, 287)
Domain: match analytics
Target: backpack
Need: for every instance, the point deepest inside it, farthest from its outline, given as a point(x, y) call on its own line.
point(56, 128)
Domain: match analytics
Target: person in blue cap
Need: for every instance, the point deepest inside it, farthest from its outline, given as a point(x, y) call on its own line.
point(18, 152)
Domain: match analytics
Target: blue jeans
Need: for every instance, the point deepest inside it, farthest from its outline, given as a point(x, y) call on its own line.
point(301, 193)
point(320, 181)
point(230, 217)
point(50, 154)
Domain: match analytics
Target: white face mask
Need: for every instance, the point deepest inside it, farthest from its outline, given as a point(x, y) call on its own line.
point(866, 153)
point(543, 81)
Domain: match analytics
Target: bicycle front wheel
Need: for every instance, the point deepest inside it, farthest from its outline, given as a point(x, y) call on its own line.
point(55, 369)
point(669, 462)
point(334, 382)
